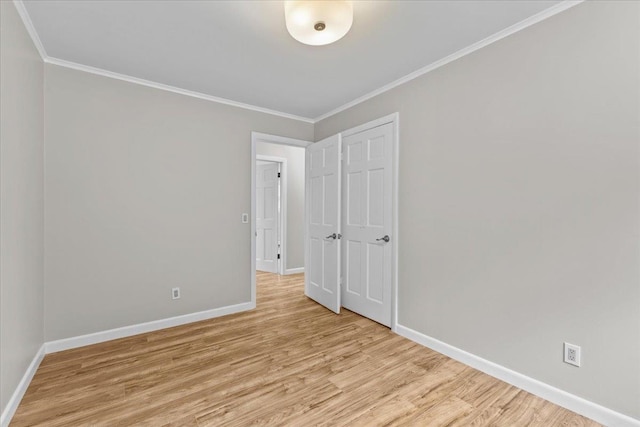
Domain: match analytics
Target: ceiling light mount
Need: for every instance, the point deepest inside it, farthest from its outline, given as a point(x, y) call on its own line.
point(318, 22)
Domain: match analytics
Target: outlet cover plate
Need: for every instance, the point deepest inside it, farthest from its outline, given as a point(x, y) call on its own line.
point(572, 354)
point(175, 293)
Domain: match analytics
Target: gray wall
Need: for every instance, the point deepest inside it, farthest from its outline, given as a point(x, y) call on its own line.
point(295, 198)
point(21, 200)
point(519, 214)
point(144, 191)
point(519, 191)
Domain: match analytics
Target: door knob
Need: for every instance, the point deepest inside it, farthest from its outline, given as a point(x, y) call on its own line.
point(331, 236)
point(385, 239)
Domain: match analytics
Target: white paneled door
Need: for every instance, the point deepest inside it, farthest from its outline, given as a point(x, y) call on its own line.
point(350, 191)
point(323, 223)
point(267, 202)
point(367, 223)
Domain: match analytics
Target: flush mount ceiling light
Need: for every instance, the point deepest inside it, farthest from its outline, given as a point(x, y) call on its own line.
point(318, 22)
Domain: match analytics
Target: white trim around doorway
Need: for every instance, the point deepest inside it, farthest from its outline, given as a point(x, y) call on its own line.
point(271, 139)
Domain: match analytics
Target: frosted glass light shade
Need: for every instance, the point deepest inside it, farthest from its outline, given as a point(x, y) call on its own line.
point(318, 22)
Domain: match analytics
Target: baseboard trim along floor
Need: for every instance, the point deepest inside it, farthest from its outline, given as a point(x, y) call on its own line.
point(108, 335)
point(562, 398)
point(141, 328)
point(20, 390)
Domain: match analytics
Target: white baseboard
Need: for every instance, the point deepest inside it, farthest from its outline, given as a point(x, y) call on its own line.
point(17, 395)
point(141, 328)
point(112, 334)
point(572, 402)
point(562, 398)
point(294, 270)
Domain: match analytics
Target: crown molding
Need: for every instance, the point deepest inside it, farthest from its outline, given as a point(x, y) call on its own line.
point(534, 19)
point(547, 13)
point(168, 88)
point(26, 19)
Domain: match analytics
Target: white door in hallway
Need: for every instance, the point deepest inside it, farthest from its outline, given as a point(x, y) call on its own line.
point(367, 223)
point(322, 252)
point(267, 202)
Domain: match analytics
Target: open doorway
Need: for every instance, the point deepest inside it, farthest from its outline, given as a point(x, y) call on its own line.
point(270, 213)
point(277, 206)
point(350, 225)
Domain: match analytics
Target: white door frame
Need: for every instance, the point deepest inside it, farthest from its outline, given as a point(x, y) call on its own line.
point(271, 139)
point(274, 139)
point(282, 207)
point(395, 163)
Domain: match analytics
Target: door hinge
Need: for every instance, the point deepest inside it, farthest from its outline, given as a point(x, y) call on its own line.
point(278, 174)
point(278, 256)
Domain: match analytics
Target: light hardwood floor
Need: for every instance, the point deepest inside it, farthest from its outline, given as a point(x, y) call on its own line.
point(289, 362)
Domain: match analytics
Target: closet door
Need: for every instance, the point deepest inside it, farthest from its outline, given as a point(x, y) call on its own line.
point(367, 223)
point(322, 252)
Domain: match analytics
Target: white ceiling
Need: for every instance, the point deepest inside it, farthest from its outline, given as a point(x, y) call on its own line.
point(241, 51)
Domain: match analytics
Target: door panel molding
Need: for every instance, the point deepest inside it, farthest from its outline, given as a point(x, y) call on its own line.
point(368, 159)
point(270, 261)
point(393, 119)
point(282, 225)
point(322, 222)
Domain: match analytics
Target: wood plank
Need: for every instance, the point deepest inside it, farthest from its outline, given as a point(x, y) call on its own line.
point(288, 362)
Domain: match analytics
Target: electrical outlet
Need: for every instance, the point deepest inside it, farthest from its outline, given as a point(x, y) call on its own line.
point(175, 293)
point(245, 218)
point(572, 354)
